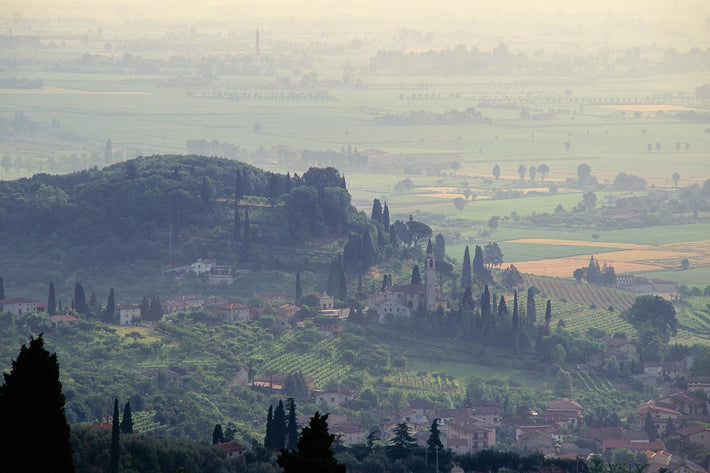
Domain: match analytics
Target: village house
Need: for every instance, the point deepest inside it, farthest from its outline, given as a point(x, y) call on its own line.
point(685, 403)
point(697, 434)
point(699, 382)
point(657, 460)
point(275, 383)
point(563, 413)
point(536, 438)
point(333, 397)
point(609, 445)
point(621, 349)
point(659, 415)
point(470, 435)
point(127, 312)
point(20, 305)
point(61, 319)
point(348, 432)
point(286, 311)
point(235, 311)
point(233, 448)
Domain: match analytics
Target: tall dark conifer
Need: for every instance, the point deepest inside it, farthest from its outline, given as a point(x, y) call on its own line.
point(280, 429)
point(548, 317)
point(502, 307)
point(247, 231)
point(416, 276)
point(292, 426)
point(110, 312)
point(238, 187)
point(80, 299)
point(376, 215)
point(237, 233)
point(51, 300)
point(156, 310)
point(217, 434)
point(269, 439)
point(32, 414)
point(299, 291)
point(386, 218)
point(466, 270)
point(530, 307)
point(115, 435)
point(127, 421)
point(516, 322)
point(145, 309)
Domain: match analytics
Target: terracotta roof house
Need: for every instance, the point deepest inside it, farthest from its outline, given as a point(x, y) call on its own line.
point(61, 319)
point(334, 397)
point(685, 403)
point(233, 448)
point(20, 305)
point(697, 434)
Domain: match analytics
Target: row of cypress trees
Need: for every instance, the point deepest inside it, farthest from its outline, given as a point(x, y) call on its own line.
point(281, 429)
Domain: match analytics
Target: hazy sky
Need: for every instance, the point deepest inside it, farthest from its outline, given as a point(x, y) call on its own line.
point(677, 23)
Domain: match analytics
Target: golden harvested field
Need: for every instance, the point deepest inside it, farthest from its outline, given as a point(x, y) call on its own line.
point(633, 258)
point(549, 241)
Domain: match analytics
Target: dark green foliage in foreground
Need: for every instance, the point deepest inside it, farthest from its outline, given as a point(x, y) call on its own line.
point(314, 454)
point(32, 414)
point(115, 439)
point(146, 453)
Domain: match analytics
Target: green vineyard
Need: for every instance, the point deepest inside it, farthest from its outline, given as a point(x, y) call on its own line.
point(318, 363)
point(581, 293)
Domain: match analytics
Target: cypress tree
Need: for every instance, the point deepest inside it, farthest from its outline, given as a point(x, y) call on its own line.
point(238, 187)
point(416, 277)
point(127, 421)
point(156, 310)
point(115, 434)
point(217, 434)
point(94, 304)
point(80, 299)
point(516, 322)
point(145, 308)
point(376, 215)
point(51, 300)
point(247, 232)
point(433, 443)
point(439, 247)
point(342, 285)
point(530, 307)
point(299, 292)
point(548, 317)
point(386, 218)
point(292, 426)
point(269, 438)
point(280, 429)
point(466, 270)
point(502, 307)
point(32, 414)
point(110, 312)
point(237, 224)
point(367, 252)
point(486, 316)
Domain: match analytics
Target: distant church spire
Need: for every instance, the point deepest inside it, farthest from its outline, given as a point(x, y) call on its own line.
point(430, 277)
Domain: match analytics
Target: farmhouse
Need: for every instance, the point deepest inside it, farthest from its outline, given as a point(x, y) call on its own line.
point(234, 311)
point(334, 397)
point(20, 305)
point(127, 312)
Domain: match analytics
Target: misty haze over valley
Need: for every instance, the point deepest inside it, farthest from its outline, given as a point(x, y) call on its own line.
point(477, 235)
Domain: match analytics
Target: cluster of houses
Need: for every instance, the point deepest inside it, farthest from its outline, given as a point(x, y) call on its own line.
point(641, 285)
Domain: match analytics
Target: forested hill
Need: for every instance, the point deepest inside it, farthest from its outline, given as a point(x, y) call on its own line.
point(160, 208)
